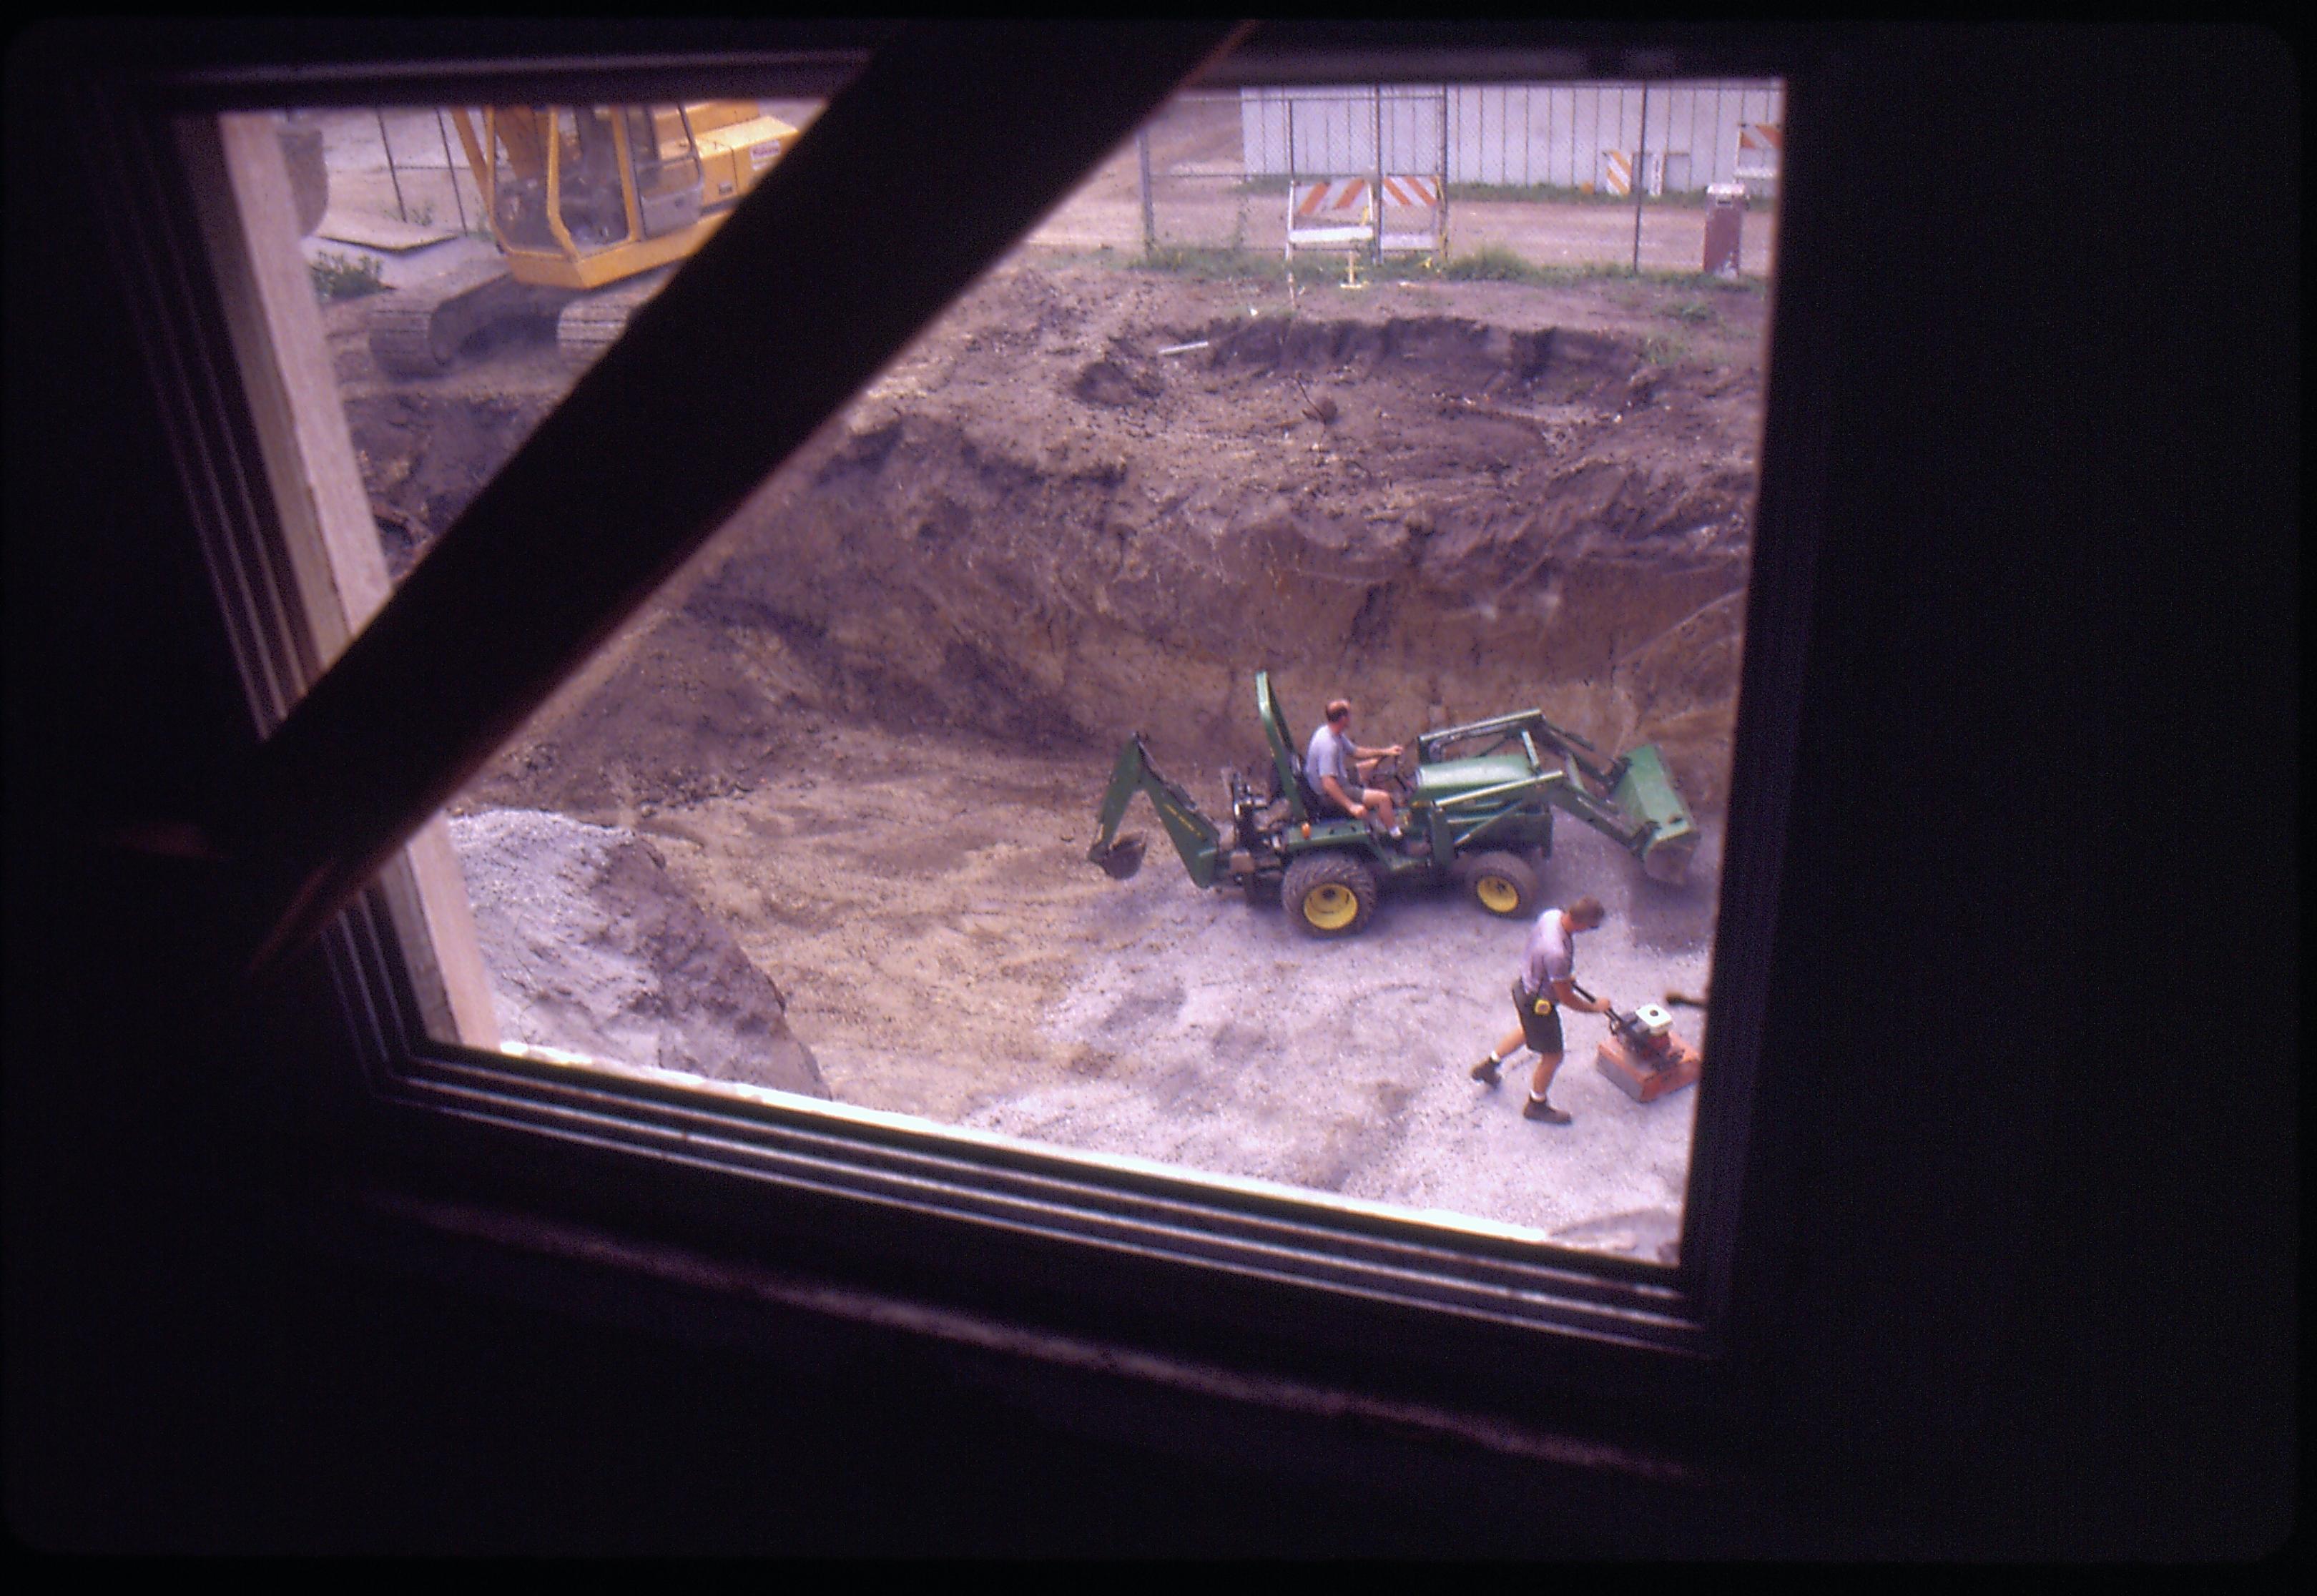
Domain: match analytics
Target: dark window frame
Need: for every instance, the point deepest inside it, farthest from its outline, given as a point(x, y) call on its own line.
point(1137, 1260)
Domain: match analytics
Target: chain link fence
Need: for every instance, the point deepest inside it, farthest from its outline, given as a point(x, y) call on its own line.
point(1677, 177)
point(1476, 180)
point(402, 164)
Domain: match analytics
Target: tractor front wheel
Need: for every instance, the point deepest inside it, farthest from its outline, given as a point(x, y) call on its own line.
point(1330, 895)
point(1502, 883)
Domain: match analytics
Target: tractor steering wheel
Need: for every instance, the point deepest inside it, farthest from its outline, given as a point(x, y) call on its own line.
point(1399, 777)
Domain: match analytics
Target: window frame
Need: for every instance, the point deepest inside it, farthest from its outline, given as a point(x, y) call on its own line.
point(1138, 1256)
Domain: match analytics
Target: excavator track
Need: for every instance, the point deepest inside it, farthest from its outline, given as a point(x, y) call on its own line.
point(593, 323)
point(419, 331)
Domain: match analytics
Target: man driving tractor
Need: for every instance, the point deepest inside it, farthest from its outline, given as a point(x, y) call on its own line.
point(1338, 769)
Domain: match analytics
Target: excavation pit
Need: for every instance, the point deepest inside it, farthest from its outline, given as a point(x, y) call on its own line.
point(866, 731)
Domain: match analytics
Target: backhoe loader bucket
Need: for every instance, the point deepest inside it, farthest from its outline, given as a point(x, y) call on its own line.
point(1121, 858)
point(1645, 792)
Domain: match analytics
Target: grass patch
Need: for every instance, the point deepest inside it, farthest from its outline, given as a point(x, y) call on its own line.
point(1208, 263)
point(1664, 349)
point(1704, 282)
point(1493, 262)
point(344, 277)
point(1490, 263)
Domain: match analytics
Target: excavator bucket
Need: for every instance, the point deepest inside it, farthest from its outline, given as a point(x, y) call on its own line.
point(1122, 858)
point(1646, 793)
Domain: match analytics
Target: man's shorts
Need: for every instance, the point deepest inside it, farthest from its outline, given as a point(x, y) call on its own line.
point(1540, 1019)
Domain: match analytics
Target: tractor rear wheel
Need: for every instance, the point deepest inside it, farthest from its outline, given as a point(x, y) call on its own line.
point(1502, 883)
point(1330, 895)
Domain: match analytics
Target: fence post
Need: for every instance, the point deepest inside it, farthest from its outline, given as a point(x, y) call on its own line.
point(1291, 196)
point(1641, 174)
point(1376, 247)
point(387, 144)
point(450, 170)
point(1149, 218)
point(1443, 174)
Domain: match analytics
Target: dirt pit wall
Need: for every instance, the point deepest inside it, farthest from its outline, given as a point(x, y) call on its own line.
point(1441, 519)
point(1093, 503)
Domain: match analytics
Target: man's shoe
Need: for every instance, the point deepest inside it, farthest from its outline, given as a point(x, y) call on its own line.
point(1536, 1107)
point(1486, 1071)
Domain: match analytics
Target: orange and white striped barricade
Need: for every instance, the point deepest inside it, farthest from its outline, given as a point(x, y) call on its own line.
point(1759, 147)
point(1414, 193)
point(1328, 211)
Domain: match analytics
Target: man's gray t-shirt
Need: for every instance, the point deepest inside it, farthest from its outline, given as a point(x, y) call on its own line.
point(1551, 955)
point(1331, 754)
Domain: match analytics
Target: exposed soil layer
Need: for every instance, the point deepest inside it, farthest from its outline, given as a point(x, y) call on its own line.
point(1038, 525)
point(1049, 530)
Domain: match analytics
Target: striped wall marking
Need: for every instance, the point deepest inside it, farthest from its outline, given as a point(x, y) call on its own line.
point(1765, 136)
point(1617, 171)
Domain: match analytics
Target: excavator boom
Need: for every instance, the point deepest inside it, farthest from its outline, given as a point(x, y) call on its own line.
point(1194, 836)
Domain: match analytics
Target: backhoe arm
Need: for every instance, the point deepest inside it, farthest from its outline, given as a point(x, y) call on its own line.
point(1194, 836)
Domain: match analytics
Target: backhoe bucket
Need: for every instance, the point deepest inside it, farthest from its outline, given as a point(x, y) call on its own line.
point(1121, 858)
point(1646, 793)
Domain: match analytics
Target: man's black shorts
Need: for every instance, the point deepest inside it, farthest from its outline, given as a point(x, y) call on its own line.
point(1539, 1019)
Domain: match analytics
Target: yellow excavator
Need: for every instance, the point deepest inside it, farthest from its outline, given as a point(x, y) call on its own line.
point(592, 206)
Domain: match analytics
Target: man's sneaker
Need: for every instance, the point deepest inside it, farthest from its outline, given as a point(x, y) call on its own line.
point(1486, 1071)
point(1536, 1107)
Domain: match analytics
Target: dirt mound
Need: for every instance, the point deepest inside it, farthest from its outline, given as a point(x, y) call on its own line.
point(593, 947)
point(424, 455)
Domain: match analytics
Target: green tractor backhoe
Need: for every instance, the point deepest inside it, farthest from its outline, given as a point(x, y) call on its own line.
point(1480, 800)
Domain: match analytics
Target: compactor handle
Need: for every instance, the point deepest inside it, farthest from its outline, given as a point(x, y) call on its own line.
point(1616, 1021)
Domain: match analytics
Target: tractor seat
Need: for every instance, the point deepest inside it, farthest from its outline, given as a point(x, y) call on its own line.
point(1314, 804)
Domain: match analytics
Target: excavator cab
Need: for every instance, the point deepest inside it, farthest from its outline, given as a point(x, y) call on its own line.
point(581, 198)
point(569, 183)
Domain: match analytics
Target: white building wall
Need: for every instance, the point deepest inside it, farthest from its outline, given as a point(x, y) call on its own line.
point(1515, 135)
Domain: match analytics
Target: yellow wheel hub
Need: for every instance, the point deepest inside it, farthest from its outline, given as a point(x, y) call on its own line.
point(1497, 895)
point(1330, 907)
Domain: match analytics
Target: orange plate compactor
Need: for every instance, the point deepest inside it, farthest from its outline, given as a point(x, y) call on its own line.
point(1643, 1057)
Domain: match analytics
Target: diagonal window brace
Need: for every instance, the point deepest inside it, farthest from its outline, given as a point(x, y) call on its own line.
point(987, 127)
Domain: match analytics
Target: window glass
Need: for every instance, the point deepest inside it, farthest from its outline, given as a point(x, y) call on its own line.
point(1441, 400)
